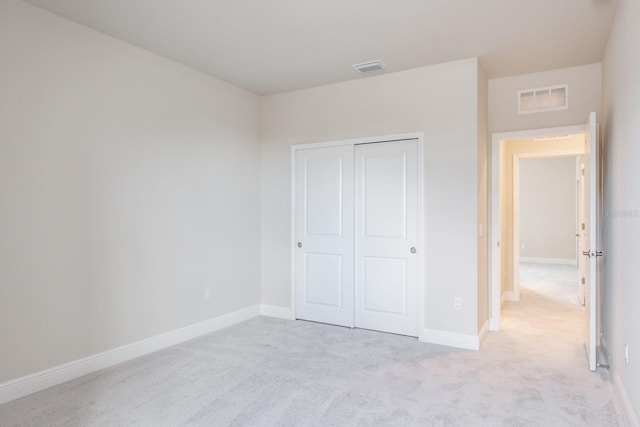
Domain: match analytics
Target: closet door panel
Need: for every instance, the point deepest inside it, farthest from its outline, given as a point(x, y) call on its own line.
point(386, 237)
point(324, 235)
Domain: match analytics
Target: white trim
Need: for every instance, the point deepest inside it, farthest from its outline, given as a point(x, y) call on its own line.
point(515, 231)
point(421, 245)
point(450, 339)
point(495, 273)
point(484, 331)
point(353, 142)
point(278, 312)
point(292, 232)
point(622, 397)
point(38, 381)
point(508, 296)
point(555, 261)
point(356, 141)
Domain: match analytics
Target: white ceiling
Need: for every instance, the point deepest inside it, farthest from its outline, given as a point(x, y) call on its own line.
point(270, 46)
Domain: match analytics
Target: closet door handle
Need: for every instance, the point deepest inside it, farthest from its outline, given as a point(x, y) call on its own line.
point(413, 250)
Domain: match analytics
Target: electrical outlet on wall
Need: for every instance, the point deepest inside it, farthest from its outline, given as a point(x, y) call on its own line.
point(457, 303)
point(207, 294)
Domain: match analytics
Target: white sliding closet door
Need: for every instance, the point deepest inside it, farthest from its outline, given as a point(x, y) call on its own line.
point(386, 237)
point(324, 210)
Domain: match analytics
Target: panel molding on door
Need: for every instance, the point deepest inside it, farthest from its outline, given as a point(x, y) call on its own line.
point(386, 237)
point(324, 212)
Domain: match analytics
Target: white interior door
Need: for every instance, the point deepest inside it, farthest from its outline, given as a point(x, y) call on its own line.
point(583, 245)
point(386, 237)
point(324, 235)
point(578, 222)
point(591, 239)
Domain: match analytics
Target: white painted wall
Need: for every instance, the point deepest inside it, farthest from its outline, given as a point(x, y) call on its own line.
point(584, 97)
point(441, 101)
point(548, 208)
point(621, 108)
point(128, 183)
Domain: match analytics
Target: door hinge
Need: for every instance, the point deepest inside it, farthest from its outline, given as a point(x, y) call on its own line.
point(583, 226)
point(583, 281)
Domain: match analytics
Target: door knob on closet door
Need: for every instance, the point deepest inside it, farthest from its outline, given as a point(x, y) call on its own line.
point(299, 244)
point(413, 250)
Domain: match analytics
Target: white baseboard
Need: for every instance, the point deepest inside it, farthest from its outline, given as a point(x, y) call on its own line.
point(508, 296)
point(450, 339)
point(493, 325)
point(623, 398)
point(484, 331)
point(38, 381)
point(558, 261)
point(276, 311)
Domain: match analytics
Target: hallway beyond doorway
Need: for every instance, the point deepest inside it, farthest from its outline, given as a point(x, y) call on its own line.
point(559, 283)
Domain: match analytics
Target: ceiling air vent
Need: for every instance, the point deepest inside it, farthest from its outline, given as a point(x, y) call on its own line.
point(369, 66)
point(549, 98)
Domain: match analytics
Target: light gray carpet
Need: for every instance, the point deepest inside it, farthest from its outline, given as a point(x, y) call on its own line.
point(556, 282)
point(275, 372)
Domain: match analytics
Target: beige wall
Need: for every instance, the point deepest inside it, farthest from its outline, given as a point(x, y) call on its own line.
point(584, 97)
point(548, 224)
point(442, 102)
point(483, 182)
point(621, 127)
point(128, 184)
point(509, 148)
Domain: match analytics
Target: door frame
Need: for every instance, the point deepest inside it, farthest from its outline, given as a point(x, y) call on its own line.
point(419, 136)
point(495, 276)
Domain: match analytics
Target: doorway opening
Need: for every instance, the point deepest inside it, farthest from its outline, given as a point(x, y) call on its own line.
point(545, 214)
point(554, 141)
point(509, 152)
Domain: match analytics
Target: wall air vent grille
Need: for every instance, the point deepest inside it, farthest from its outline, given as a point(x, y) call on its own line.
point(551, 98)
point(369, 66)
